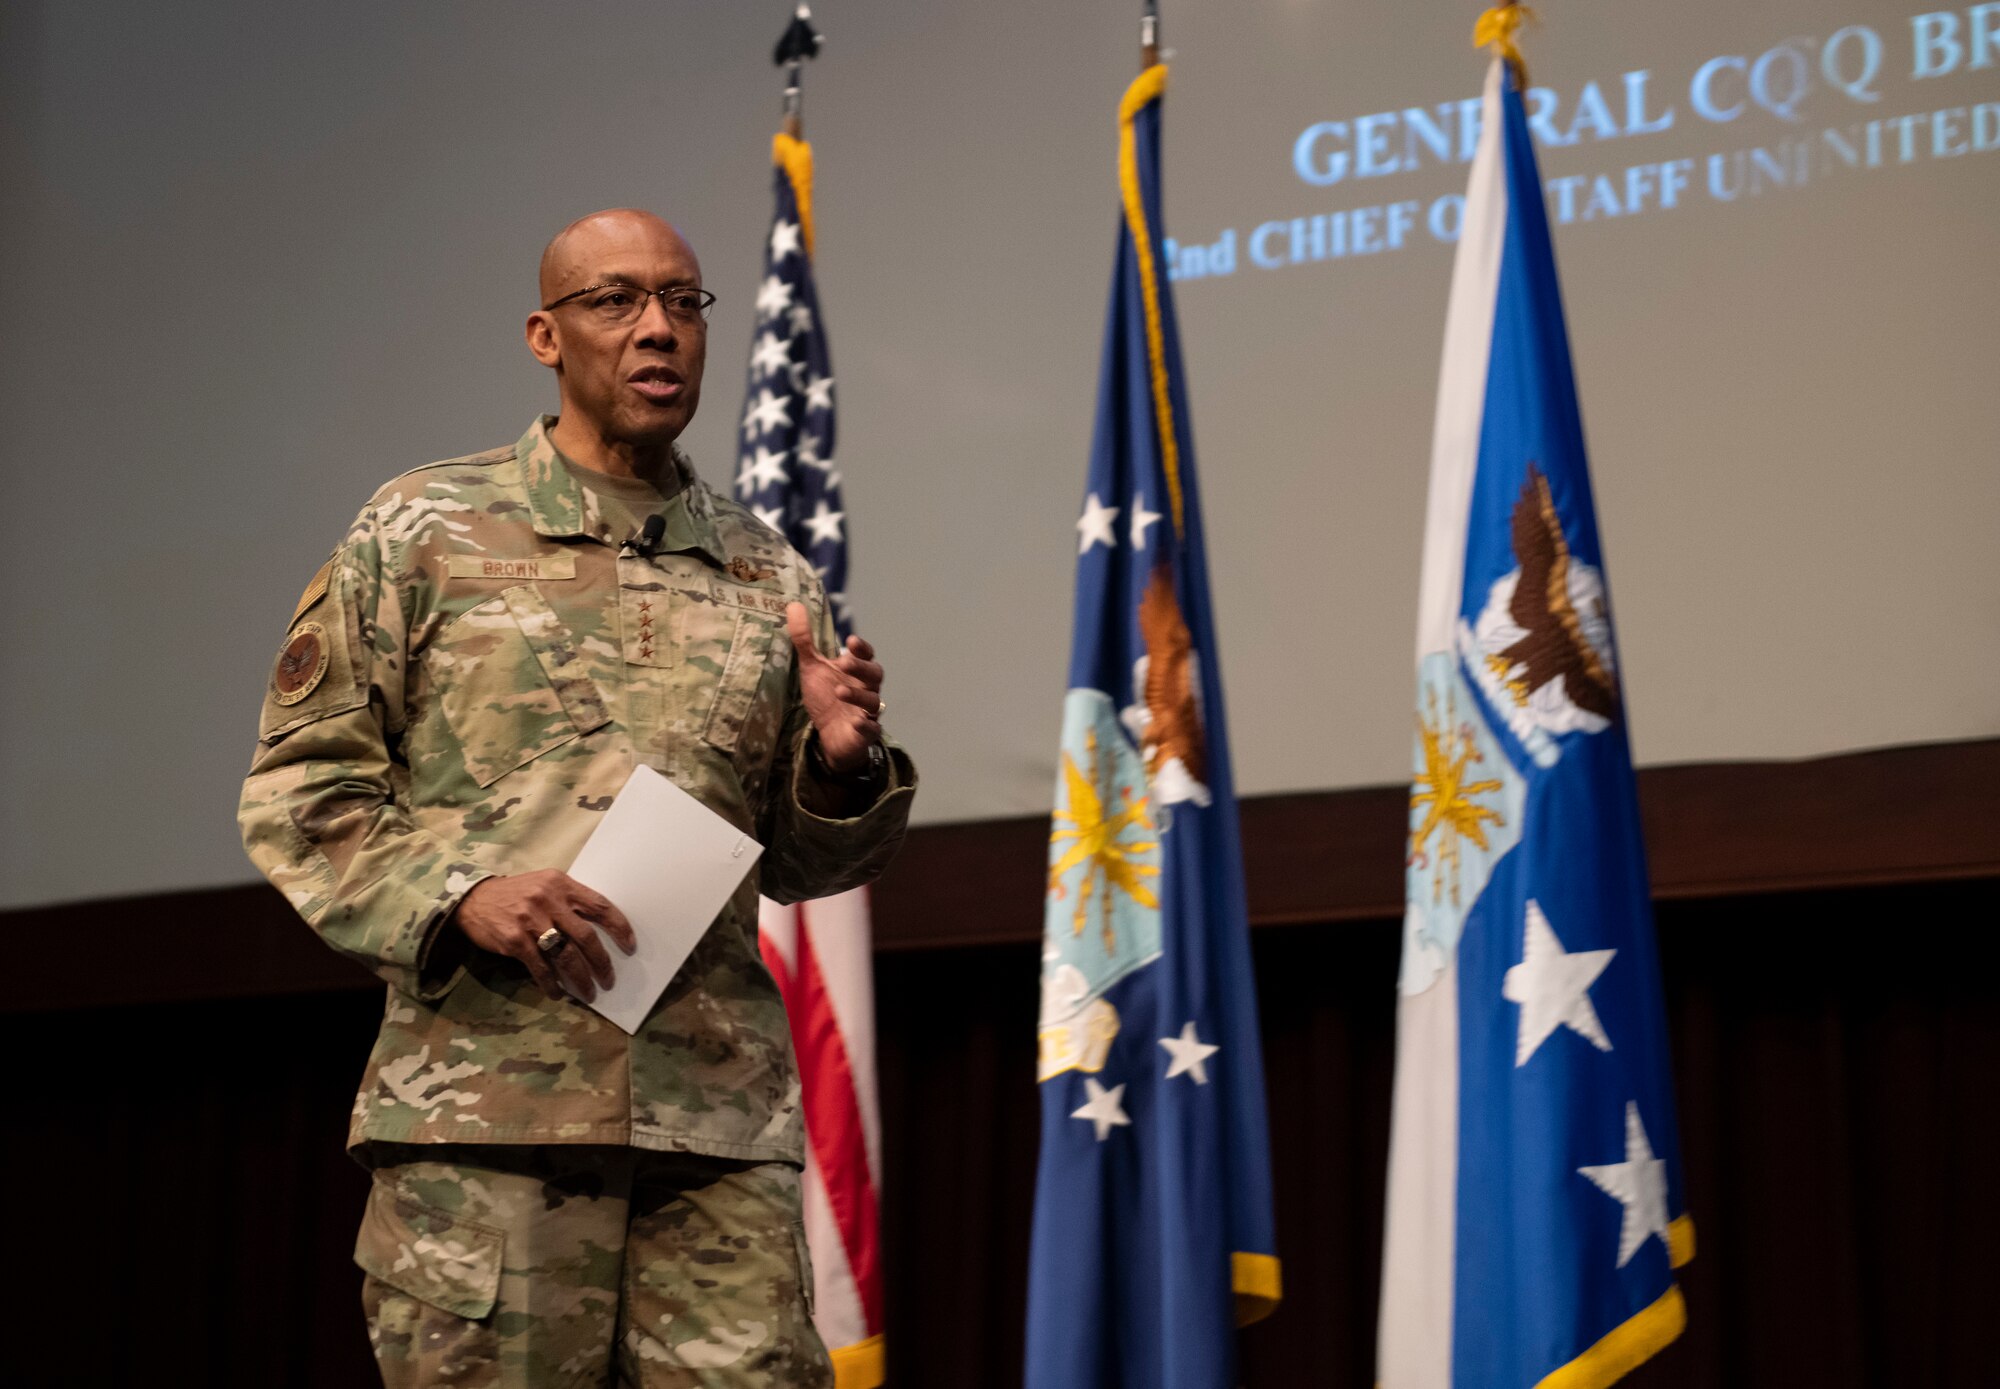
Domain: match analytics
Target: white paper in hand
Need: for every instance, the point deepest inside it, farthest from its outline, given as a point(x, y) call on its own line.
point(669, 863)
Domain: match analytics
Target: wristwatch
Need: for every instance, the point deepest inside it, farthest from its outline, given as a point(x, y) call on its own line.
point(869, 778)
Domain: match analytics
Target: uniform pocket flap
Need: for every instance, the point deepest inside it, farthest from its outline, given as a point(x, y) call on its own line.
point(512, 682)
point(432, 1255)
point(744, 653)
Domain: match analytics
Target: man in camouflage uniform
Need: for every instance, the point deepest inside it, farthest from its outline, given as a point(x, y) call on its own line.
point(464, 689)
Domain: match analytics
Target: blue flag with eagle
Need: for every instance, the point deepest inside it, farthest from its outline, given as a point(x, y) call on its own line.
point(1536, 1214)
point(1152, 1233)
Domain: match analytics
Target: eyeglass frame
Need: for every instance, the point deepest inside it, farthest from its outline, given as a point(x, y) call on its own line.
point(701, 315)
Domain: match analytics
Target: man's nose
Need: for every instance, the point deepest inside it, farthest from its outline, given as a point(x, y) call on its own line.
point(657, 327)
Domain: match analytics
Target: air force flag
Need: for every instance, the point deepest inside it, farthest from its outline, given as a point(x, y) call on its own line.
point(1152, 1234)
point(1536, 1213)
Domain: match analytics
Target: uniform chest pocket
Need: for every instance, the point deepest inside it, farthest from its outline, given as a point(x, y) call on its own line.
point(748, 654)
point(512, 683)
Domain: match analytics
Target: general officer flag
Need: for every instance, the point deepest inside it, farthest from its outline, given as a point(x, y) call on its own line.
point(818, 951)
point(1152, 1231)
point(1536, 1212)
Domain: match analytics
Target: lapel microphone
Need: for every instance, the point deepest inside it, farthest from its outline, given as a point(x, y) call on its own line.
point(647, 542)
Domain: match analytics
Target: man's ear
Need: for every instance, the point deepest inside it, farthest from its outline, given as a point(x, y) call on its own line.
point(542, 341)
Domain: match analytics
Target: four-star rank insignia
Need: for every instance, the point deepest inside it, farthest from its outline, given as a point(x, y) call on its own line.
point(301, 665)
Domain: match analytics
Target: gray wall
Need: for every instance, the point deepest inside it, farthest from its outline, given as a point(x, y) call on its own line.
point(259, 258)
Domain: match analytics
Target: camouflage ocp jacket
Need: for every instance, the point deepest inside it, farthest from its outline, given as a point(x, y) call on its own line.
point(462, 692)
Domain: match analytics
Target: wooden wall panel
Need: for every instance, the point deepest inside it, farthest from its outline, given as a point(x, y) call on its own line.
point(1895, 815)
point(1925, 813)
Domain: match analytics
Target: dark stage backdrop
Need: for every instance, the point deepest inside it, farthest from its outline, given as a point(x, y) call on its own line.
point(180, 1211)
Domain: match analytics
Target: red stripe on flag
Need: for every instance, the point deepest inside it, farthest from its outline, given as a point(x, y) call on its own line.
point(775, 962)
point(833, 1114)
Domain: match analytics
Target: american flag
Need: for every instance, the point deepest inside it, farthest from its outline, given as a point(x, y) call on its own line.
point(784, 466)
point(819, 952)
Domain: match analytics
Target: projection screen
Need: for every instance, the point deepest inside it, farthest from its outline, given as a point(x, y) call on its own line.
point(259, 259)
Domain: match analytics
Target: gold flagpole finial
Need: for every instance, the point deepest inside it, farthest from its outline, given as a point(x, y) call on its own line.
point(1496, 30)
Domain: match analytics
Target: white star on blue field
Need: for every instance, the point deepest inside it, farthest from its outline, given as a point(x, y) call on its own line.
point(785, 472)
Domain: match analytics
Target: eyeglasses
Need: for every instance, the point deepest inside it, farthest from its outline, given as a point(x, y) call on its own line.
point(614, 304)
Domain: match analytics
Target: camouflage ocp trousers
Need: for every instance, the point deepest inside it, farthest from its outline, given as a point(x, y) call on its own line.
point(550, 1267)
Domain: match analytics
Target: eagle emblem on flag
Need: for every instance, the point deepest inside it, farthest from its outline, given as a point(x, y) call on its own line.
point(1541, 648)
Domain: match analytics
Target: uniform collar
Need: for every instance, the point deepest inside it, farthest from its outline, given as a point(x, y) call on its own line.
point(560, 507)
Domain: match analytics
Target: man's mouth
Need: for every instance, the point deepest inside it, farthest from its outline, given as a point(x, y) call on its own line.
point(657, 384)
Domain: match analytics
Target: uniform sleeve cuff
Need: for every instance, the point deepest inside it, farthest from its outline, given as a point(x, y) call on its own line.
point(441, 949)
point(902, 777)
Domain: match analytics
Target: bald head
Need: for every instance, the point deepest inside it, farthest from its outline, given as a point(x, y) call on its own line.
point(593, 248)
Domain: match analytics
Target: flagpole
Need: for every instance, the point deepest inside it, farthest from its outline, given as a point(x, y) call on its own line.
point(1149, 35)
point(799, 42)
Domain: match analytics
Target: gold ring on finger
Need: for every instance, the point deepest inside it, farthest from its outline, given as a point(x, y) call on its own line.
point(551, 941)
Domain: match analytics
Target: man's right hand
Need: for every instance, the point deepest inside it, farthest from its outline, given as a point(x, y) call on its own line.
point(507, 916)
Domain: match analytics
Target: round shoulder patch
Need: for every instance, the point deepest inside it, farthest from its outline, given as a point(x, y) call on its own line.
point(301, 665)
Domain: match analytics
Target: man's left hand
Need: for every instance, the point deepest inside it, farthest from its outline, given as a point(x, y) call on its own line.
point(843, 696)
